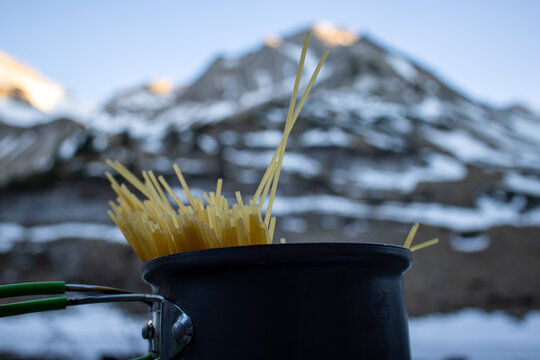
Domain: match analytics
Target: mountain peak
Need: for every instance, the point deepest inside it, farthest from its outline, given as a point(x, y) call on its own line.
point(160, 86)
point(21, 82)
point(331, 35)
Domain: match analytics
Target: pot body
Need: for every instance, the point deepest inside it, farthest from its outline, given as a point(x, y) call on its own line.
point(289, 301)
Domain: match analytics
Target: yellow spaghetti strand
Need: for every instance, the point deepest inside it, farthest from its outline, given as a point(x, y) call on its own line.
point(183, 182)
point(424, 245)
point(286, 135)
point(411, 236)
point(268, 174)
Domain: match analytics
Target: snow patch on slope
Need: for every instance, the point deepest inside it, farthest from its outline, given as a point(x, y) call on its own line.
point(15, 113)
point(465, 146)
point(402, 67)
point(488, 212)
point(12, 233)
point(292, 162)
point(439, 168)
point(525, 184)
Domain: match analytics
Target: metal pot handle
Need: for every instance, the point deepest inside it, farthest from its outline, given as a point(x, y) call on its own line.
point(169, 331)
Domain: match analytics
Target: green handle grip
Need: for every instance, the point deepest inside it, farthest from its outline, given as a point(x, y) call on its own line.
point(27, 307)
point(33, 288)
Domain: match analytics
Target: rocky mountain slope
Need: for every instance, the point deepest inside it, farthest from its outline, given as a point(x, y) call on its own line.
point(381, 143)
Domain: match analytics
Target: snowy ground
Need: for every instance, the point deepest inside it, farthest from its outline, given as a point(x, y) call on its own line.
point(89, 332)
point(475, 335)
point(86, 333)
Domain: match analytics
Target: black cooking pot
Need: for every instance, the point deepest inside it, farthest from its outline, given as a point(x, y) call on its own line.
point(289, 301)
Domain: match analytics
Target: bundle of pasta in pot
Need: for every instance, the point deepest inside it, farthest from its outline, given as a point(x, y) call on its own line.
point(155, 227)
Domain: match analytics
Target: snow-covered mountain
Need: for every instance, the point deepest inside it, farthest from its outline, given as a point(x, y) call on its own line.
point(377, 127)
point(37, 121)
point(381, 143)
point(373, 114)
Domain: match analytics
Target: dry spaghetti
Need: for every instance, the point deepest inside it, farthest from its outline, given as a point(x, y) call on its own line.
point(153, 227)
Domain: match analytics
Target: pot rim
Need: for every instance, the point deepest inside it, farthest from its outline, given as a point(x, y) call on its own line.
point(391, 257)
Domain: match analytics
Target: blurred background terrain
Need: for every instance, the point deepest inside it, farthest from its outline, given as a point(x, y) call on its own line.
point(383, 142)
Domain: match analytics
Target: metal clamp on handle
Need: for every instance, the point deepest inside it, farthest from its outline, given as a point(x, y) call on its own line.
point(169, 331)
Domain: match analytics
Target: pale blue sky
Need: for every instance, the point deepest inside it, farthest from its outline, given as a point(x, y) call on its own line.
point(487, 48)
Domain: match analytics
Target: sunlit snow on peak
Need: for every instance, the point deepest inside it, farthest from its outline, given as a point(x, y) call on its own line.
point(273, 40)
point(332, 36)
point(160, 86)
point(41, 93)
